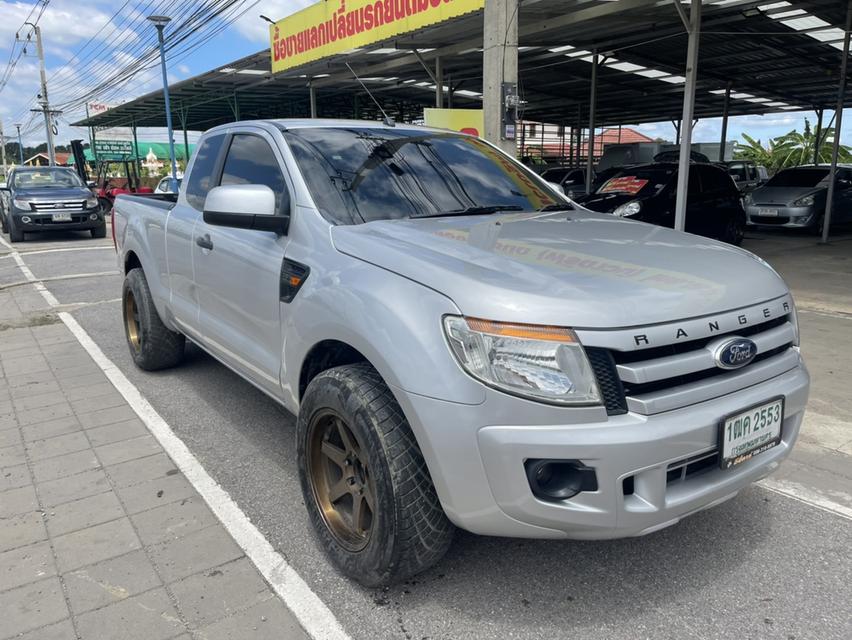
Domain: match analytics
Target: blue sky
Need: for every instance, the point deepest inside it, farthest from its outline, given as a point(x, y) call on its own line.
point(69, 24)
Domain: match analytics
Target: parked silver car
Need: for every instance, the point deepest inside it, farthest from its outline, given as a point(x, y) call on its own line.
point(795, 198)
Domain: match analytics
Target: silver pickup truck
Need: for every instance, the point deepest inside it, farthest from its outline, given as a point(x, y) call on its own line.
point(463, 347)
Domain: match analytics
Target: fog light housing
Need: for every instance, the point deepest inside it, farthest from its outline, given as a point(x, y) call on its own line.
point(556, 480)
point(26, 219)
point(93, 216)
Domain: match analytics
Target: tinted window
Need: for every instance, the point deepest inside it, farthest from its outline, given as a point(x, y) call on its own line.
point(201, 177)
point(800, 177)
point(694, 187)
point(364, 174)
point(713, 179)
point(46, 178)
point(250, 160)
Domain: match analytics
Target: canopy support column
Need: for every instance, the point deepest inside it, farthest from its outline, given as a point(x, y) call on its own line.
point(135, 148)
point(499, 67)
point(184, 112)
point(593, 97)
point(694, 29)
point(439, 83)
point(312, 92)
point(818, 136)
point(725, 122)
point(838, 114)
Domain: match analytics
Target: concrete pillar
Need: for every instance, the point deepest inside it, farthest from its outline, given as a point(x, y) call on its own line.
point(838, 125)
point(313, 95)
point(499, 65)
point(439, 83)
point(818, 135)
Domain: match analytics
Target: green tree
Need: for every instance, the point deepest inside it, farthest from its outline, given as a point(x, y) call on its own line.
point(792, 149)
point(753, 150)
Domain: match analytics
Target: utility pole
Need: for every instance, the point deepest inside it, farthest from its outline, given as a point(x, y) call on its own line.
point(3, 147)
point(20, 144)
point(43, 101)
point(500, 71)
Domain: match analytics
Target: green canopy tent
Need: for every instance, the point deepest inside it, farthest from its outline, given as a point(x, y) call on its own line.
point(160, 149)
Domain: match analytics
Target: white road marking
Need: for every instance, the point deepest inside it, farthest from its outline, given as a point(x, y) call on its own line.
point(96, 247)
point(311, 612)
point(807, 495)
point(70, 276)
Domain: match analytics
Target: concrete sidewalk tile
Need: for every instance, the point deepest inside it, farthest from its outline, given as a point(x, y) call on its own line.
point(44, 414)
point(10, 438)
point(72, 361)
point(101, 542)
point(149, 616)
point(82, 513)
point(63, 630)
point(69, 384)
point(27, 380)
point(18, 501)
point(117, 432)
point(12, 455)
point(73, 373)
point(109, 398)
point(32, 606)
point(195, 552)
point(126, 474)
point(173, 521)
point(127, 450)
point(32, 363)
point(21, 530)
point(269, 620)
point(14, 477)
point(155, 493)
point(25, 565)
point(49, 429)
point(67, 465)
point(57, 446)
point(219, 592)
point(46, 399)
point(110, 581)
point(8, 422)
point(97, 416)
point(81, 485)
point(35, 389)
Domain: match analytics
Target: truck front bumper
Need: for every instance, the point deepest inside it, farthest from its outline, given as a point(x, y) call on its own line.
point(478, 465)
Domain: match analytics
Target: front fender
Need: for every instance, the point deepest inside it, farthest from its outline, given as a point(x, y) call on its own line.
point(391, 320)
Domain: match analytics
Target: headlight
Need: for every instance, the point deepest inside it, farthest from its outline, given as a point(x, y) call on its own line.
point(807, 201)
point(538, 362)
point(22, 204)
point(91, 203)
point(628, 209)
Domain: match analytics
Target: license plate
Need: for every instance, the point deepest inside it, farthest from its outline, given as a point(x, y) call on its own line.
point(61, 217)
point(767, 212)
point(748, 433)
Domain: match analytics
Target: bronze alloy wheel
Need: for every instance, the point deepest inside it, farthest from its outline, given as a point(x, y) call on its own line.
point(131, 322)
point(339, 475)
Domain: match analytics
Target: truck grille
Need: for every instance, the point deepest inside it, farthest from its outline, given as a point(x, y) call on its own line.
point(658, 379)
point(63, 205)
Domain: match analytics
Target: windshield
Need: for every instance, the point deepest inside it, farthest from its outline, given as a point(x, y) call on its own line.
point(363, 174)
point(47, 178)
point(646, 181)
point(798, 177)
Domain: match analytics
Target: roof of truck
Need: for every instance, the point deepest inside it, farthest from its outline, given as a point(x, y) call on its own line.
point(332, 123)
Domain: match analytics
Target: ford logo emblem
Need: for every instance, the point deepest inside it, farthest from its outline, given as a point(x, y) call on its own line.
point(734, 353)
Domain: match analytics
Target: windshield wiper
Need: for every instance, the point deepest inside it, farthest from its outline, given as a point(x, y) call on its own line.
point(472, 211)
point(557, 206)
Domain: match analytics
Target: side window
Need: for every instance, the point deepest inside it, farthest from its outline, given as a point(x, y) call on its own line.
point(250, 160)
point(201, 177)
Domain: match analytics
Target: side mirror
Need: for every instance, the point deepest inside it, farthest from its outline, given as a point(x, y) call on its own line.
point(244, 206)
point(556, 187)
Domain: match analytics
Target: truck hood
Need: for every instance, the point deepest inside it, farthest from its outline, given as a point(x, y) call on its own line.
point(54, 193)
point(783, 195)
point(574, 268)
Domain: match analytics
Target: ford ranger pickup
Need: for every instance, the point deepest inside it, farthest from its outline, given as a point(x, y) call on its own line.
point(462, 345)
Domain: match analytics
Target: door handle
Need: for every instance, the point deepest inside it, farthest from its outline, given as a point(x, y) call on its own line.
point(204, 242)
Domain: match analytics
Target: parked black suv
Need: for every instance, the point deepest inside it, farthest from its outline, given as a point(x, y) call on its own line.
point(46, 198)
point(647, 193)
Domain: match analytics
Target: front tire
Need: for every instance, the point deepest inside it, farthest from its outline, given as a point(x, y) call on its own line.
point(15, 234)
point(99, 232)
point(734, 231)
point(152, 345)
point(368, 492)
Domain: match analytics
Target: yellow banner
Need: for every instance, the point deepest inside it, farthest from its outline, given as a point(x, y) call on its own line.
point(333, 26)
point(470, 121)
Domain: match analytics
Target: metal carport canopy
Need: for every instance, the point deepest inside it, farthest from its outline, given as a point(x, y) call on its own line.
point(777, 56)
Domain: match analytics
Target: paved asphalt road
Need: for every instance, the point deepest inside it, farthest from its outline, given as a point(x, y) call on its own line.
point(760, 566)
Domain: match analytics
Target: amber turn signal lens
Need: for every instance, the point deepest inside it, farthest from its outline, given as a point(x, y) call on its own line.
point(525, 331)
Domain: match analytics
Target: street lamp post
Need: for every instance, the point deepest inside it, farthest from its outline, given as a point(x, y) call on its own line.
point(160, 23)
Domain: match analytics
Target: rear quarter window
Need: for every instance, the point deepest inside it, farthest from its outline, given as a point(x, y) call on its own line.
point(201, 178)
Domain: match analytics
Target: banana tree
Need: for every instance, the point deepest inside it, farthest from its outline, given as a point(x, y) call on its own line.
point(796, 148)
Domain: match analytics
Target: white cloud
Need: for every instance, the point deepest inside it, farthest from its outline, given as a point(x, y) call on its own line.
point(257, 30)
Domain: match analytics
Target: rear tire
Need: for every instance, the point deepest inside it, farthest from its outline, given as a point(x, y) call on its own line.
point(152, 345)
point(734, 231)
point(99, 232)
point(355, 447)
